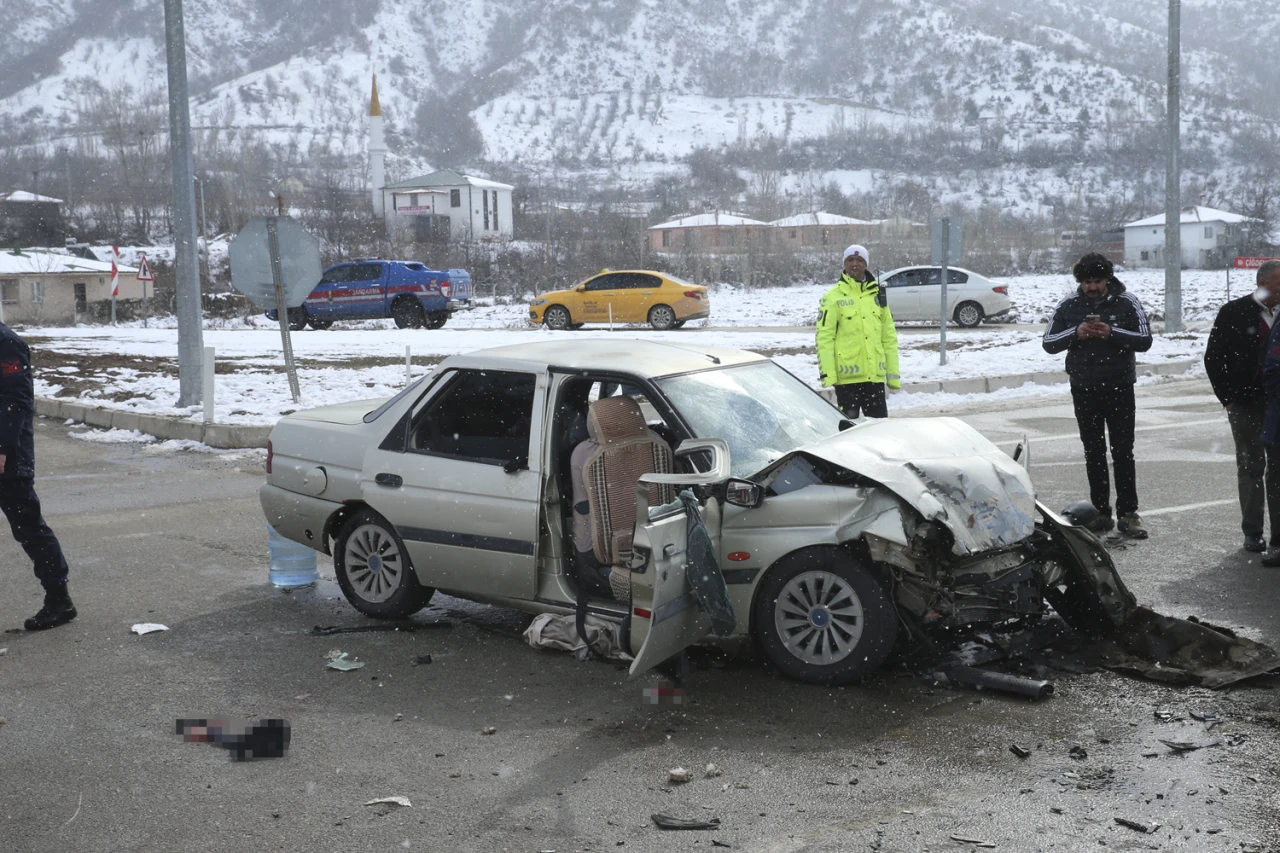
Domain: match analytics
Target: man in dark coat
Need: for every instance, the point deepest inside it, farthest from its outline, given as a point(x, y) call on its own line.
point(1101, 326)
point(1268, 283)
point(18, 498)
point(1233, 361)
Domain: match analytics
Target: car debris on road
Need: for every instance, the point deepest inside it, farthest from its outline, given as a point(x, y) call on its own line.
point(667, 822)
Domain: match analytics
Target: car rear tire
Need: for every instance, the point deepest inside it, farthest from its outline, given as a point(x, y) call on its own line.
point(678, 324)
point(374, 571)
point(557, 319)
point(576, 326)
point(297, 319)
point(662, 317)
point(319, 325)
point(969, 314)
point(821, 617)
point(408, 314)
point(437, 319)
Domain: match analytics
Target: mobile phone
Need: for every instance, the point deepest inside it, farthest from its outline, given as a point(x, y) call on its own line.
point(1093, 318)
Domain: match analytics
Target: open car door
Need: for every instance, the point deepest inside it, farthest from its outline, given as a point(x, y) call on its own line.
point(666, 615)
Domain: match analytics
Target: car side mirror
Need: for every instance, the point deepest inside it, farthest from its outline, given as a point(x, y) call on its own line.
point(845, 424)
point(515, 465)
point(743, 493)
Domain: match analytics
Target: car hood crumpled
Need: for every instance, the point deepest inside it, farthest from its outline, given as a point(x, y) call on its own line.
point(946, 470)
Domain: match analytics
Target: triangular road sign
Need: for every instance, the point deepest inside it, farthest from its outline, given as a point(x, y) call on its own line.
point(144, 270)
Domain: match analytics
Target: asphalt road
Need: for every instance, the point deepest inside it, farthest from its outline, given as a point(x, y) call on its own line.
point(89, 760)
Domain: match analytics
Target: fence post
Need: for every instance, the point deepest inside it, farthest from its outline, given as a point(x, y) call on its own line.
point(207, 370)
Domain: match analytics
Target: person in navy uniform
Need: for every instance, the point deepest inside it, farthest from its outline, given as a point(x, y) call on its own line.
point(18, 499)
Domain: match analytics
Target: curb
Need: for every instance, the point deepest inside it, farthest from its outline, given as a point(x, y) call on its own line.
point(986, 384)
point(222, 436)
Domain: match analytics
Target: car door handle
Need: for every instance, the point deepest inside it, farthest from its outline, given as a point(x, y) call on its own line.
point(393, 481)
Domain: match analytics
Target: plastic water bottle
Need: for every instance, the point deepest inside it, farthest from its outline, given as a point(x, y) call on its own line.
point(292, 564)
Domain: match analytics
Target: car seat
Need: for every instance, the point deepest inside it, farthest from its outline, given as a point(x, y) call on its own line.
point(624, 450)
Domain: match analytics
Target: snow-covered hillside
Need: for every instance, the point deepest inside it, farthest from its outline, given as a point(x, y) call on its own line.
point(632, 87)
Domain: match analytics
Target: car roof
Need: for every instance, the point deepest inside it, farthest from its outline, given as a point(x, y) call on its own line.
point(933, 267)
point(647, 359)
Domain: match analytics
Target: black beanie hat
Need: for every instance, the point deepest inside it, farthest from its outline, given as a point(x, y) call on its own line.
point(1093, 265)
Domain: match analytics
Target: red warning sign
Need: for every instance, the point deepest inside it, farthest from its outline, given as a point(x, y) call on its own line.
point(144, 270)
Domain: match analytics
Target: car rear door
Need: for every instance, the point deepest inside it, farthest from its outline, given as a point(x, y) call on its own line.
point(903, 289)
point(665, 611)
point(931, 292)
point(458, 477)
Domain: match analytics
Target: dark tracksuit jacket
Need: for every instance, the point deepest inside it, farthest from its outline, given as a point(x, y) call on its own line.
point(1102, 373)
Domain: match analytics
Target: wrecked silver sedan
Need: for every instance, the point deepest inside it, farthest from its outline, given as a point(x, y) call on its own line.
point(681, 495)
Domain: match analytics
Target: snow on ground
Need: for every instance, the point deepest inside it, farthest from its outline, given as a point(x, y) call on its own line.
point(365, 360)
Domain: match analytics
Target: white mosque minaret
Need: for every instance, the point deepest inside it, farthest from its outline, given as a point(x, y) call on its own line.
point(377, 151)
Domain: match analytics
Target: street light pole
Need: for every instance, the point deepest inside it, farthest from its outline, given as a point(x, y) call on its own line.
point(1173, 178)
point(187, 286)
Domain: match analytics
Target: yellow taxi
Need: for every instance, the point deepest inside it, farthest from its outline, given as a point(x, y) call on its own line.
point(623, 296)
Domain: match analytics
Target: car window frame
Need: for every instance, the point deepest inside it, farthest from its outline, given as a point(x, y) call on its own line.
point(607, 276)
point(451, 378)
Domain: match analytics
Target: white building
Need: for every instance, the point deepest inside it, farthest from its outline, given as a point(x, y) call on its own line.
point(450, 205)
point(1210, 238)
point(444, 205)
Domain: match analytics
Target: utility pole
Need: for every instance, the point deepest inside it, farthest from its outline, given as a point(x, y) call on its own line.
point(186, 260)
point(1173, 178)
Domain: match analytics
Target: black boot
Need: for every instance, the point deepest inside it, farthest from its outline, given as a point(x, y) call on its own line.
point(57, 610)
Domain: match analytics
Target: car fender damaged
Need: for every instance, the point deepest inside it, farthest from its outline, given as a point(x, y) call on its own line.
point(947, 471)
point(1000, 564)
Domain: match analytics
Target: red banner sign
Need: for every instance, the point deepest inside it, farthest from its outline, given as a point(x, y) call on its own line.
point(1252, 263)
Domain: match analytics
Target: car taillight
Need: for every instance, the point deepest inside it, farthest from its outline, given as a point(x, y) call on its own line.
point(270, 452)
point(693, 294)
point(446, 289)
point(1002, 289)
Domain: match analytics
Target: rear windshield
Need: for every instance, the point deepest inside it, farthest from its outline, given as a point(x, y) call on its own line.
point(381, 410)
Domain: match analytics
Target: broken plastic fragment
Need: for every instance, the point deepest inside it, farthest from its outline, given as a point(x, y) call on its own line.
point(1138, 825)
point(679, 775)
point(711, 771)
point(148, 627)
point(1189, 745)
point(338, 660)
point(390, 801)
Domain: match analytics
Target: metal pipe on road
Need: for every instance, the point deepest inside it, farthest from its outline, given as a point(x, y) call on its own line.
point(186, 261)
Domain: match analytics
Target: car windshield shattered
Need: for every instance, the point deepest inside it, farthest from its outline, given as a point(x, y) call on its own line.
point(762, 411)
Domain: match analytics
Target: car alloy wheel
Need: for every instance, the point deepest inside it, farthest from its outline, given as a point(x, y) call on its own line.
point(374, 570)
point(662, 317)
point(819, 618)
point(373, 562)
point(557, 318)
point(969, 314)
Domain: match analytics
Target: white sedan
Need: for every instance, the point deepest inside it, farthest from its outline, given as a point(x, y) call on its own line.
point(971, 298)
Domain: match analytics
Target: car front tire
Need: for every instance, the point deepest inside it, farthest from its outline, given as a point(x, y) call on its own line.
point(557, 319)
point(662, 317)
point(969, 314)
point(374, 570)
point(821, 617)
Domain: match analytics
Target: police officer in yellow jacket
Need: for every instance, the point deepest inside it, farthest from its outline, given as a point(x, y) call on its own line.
point(857, 343)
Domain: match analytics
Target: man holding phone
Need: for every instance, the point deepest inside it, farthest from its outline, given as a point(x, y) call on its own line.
point(1101, 326)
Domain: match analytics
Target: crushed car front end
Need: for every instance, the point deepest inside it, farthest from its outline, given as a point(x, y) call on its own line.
point(944, 520)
